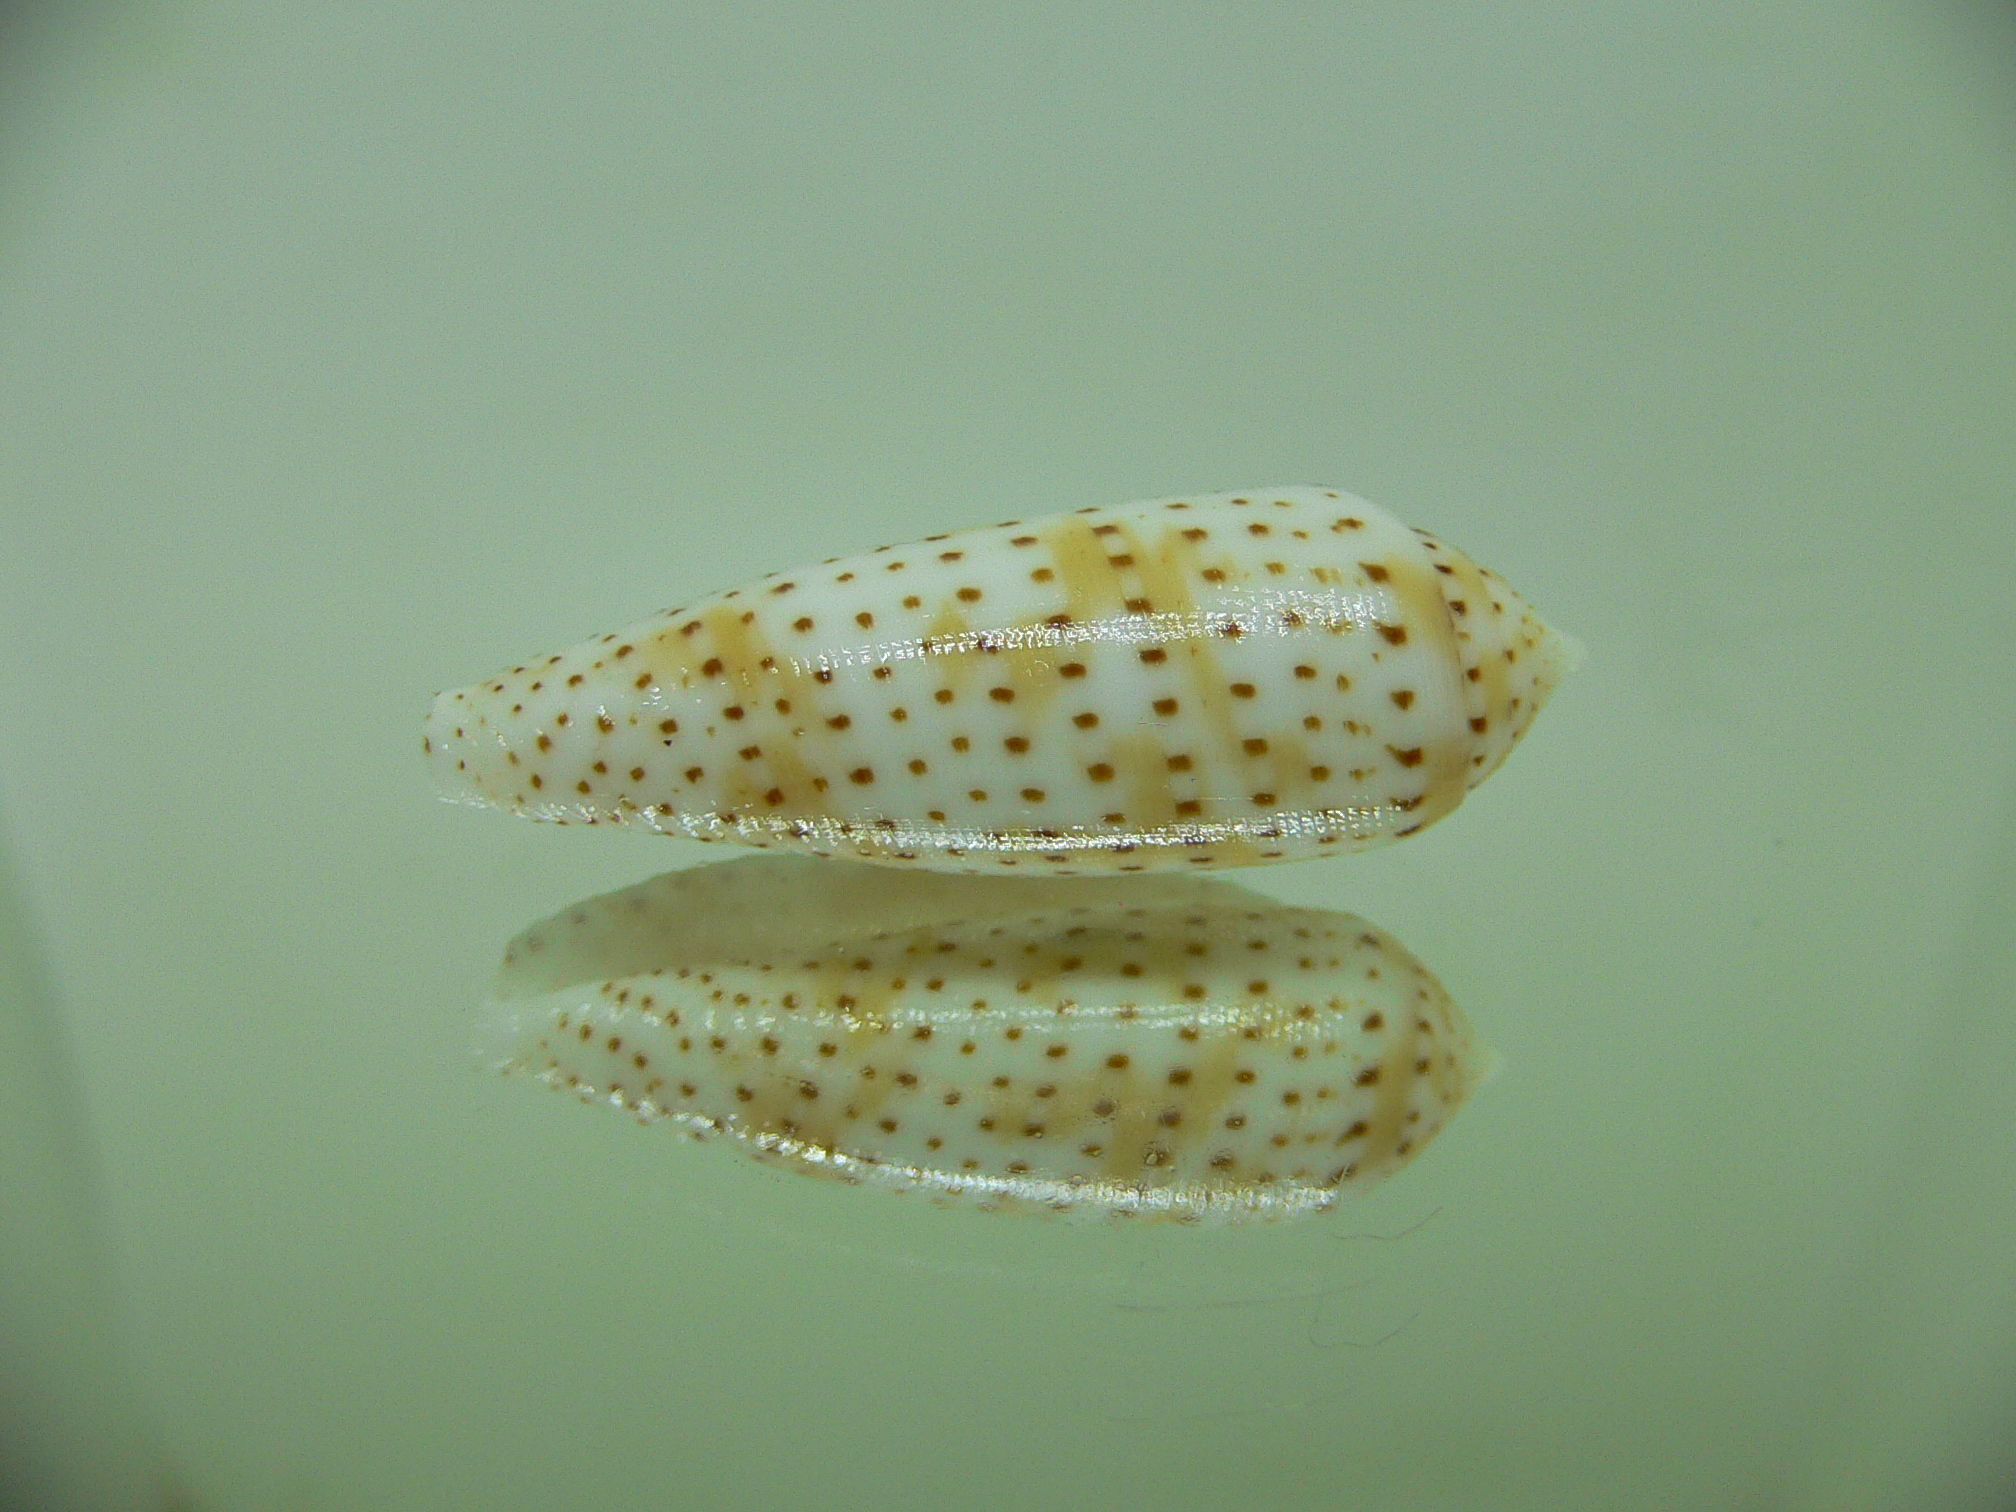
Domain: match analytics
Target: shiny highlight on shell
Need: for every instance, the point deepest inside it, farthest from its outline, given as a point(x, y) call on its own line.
point(1156, 1047)
point(1214, 680)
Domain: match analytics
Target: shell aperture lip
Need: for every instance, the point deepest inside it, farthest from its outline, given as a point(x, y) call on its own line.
point(1167, 1047)
point(1189, 683)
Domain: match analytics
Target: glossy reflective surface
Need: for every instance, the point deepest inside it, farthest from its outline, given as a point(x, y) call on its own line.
point(1213, 681)
point(1152, 1048)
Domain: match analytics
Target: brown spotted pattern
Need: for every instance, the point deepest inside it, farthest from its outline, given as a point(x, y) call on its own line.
point(1185, 683)
point(1161, 1047)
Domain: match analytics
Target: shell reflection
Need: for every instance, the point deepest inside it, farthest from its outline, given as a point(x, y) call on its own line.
point(1164, 1046)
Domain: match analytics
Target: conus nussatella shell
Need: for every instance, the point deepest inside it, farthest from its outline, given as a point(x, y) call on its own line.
point(1215, 680)
point(1157, 1046)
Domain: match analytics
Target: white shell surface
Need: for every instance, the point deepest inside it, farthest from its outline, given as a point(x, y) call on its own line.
point(1164, 1047)
point(1215, 680)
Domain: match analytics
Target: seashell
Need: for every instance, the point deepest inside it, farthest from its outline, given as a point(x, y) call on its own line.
point(1209, 681)
point(1158, 1046)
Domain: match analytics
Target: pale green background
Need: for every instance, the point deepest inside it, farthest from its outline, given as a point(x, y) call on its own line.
point(349, 352)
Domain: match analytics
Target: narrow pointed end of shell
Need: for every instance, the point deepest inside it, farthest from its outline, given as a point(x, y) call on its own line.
point(1484, 1065)
point(1552, 654)
point(1522, 663)
point(1572, 652)
point(501, 1033)
point(465, 757)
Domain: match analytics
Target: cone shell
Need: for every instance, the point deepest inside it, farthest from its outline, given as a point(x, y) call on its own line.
point(1166, 1047)
point(1208, 681)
